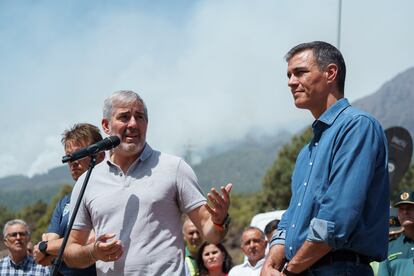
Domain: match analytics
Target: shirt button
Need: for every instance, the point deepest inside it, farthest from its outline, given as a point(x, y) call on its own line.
point(293, 226)
point(310, 163)
point(305, 184)
point(299, 204)
point(316, 144)
point(290, 248)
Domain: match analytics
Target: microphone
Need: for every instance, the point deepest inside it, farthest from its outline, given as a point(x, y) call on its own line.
point(105, 144)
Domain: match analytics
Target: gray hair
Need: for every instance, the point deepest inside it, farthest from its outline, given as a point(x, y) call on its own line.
point(14, 222)
point(122, 96)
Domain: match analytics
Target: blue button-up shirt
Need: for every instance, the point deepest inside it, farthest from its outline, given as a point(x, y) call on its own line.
point(340, 190)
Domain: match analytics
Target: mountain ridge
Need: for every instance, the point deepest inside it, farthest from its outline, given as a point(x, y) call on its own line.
point(243, 164)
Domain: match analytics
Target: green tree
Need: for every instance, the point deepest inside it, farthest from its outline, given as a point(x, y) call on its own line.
point(44, 220)
point(406, 184)
point(32, 213)
point(276, 190)
point(242, 208)
point(5, 215)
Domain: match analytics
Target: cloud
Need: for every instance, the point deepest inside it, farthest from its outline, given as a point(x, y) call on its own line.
point(210, 71)
point(51, 151)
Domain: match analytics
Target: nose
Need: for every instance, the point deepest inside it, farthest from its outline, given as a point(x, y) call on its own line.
point(74, 163)
point(292, 81)
point(132, 122)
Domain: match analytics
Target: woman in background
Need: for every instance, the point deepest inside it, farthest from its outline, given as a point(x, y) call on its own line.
point(213, 260)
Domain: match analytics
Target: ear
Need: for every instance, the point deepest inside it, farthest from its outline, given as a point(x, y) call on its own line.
point(105, 126)
point(331, 72)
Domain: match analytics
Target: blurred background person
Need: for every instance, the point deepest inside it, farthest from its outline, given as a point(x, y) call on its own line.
point(253, 245)
point(73, 139)
point(193, 241)
point(401, 248)
point(395, 230)
point(213, 260)
point(16, 237)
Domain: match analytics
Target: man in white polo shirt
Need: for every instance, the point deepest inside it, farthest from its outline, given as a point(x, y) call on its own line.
point(253, 245)
point(134, 202)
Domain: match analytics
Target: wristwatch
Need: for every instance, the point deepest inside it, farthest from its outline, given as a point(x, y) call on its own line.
point(43, 247)
point(225, 224)
point(287, 272)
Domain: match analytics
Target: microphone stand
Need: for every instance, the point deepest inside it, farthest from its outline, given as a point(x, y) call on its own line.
point(57, 262)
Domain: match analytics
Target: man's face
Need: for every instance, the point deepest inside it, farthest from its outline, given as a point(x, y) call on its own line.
point(78, 167)
point(16, 239)
point(129, 123)
point(307, 83)
point(253, 245)
point(406, 215)
point(192, 236)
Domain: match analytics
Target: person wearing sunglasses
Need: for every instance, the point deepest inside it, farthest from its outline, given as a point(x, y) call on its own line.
point(16, 236)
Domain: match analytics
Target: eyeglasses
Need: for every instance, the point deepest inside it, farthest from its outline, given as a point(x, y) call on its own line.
point(14, 234)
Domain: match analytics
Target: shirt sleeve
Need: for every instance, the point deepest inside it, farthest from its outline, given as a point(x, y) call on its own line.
point(189, 191)
point(56, 217)
point(357, 148)
point(83, 219)
point(278, 238)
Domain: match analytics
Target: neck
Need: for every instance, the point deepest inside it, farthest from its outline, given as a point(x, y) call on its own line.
point(216, 273)
point(17, 258)
point(123, 162)
point(409, 231)
point(329, 101)
point(193, 254)
point(253, 263)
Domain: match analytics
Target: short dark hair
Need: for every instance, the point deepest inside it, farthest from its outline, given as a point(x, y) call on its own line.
point(227, 262)
point(324, 54)
point(262, 235)
point(81, 132)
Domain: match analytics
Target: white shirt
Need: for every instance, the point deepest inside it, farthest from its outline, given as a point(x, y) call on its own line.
point(246, 269)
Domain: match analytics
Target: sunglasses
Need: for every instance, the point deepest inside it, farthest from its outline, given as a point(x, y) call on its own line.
point(14, 234)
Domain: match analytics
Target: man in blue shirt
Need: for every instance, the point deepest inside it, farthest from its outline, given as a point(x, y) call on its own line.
point(74, 139)
point(337, 219)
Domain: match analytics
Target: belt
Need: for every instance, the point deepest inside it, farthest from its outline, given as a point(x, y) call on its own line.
point(342, 256)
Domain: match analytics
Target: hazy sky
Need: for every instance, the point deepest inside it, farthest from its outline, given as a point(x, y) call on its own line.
point(210, 71)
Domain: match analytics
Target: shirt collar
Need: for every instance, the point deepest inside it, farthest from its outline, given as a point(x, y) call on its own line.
point(259, 263)
point(146, 153)
point(329, 116)
point(19, 265)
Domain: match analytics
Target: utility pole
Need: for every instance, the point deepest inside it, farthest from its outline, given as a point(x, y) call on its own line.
point(338, 39)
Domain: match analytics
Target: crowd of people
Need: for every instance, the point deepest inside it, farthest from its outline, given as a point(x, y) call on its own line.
point(130, 218)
